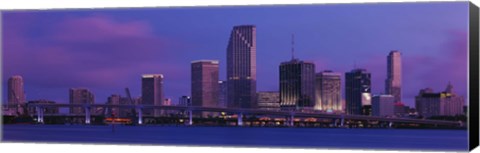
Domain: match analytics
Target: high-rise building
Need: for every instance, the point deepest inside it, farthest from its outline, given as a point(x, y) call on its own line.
point(16, 93)
point(268, 100)
point(242, 67)
point(80, 96)
point(328, 92)
point(204, 87)
point(393, 83)
point(114, 100)
point(152, 93)
point(382, 105)
point(297, 85)
point(184, 101)
point(357, 92)
point(446, 103)
point(222, 95)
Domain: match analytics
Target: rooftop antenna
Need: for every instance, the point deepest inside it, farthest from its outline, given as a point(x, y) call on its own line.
point(293, 46)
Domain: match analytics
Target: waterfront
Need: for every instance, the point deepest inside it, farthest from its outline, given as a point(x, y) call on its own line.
point(401, 139)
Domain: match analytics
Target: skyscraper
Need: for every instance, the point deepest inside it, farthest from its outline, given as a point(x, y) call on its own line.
point(357, 91)
point(242, 67)
point(152, 93)
point(393, 83)
point(328, 92)
point(205, 83)
point(297, 85)
point(16, 93)
point(80, 96)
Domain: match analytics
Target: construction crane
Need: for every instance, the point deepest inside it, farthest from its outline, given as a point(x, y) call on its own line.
point(127, 91)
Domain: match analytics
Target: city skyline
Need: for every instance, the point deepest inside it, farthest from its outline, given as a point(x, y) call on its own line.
point(114, 78)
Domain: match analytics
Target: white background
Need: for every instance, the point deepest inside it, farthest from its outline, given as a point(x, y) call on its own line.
point(83, 148)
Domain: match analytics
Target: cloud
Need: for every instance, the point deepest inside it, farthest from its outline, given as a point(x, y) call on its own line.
point(87, 51)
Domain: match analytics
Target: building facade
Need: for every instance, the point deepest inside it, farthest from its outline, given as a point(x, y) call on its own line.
point(382, 105)
point(80, 96)
point(16, 94)
point(297, 85)
point(328, 92)
point(242, 67)
point(393, 83)
point(268, 100)
point(152, 93)
point(113, 100)
point(446, 103)
point(185, 101)
point(205, 88)
point(357, 92)
point(223, 94)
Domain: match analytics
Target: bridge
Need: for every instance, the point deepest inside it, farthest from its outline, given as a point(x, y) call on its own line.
point(240, 112)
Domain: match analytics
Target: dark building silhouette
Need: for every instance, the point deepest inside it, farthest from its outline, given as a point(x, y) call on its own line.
point(152, 93)
point(358, 92)
point(242, 67)
point(223, 94)
point(185, 101)
point(297, 85)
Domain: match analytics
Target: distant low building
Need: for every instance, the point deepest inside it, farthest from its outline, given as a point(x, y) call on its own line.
point(185, 101)
point(399, 109)
point(268, 100)
point(382, 105)
point(446, 103)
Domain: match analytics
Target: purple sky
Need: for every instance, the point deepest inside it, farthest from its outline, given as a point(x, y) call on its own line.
point(107, 50)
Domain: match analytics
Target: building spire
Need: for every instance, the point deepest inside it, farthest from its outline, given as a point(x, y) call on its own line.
point(293, 46)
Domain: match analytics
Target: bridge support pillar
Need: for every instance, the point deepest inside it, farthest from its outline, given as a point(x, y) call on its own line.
point(140, 118)
point(39, 114)
point(87, 115)
point(342, 122)
point(190, 121)
point(240, 119)
point(292, 119)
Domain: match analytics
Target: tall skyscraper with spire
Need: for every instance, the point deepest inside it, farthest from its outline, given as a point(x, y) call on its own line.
point(393, 83)
point(297, 84)
point(242, 67)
